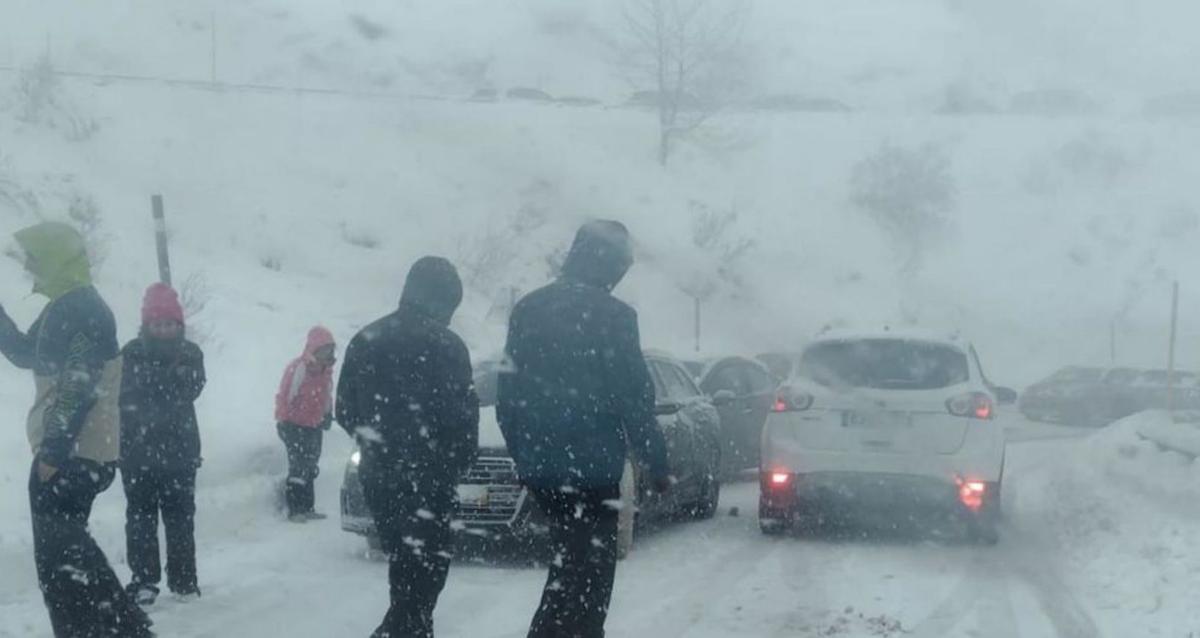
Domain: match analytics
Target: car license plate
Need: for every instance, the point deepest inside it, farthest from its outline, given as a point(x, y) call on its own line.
point(882, 420)
point(473, 495)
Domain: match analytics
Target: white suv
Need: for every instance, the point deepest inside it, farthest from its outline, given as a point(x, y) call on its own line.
point(884, 421)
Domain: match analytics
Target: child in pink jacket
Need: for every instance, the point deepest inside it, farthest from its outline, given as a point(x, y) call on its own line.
point(304, 410)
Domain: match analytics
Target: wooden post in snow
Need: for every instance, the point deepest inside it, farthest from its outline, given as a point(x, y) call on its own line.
point(1171, 351)
point(160, 235)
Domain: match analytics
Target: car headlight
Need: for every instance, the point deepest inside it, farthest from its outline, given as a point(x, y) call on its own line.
point(356, 458)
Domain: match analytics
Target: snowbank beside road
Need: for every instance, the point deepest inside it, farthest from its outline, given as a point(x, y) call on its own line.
point(1122, 512)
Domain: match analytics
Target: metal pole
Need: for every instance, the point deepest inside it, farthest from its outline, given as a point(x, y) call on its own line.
point(160, 235)
point(1171, 351)
point(212, 73)
point(697, 306)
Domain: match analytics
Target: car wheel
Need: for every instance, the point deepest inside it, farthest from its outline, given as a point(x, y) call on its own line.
point(772, 526)
point(710, 491)
point(627, 518)
point(706, 508)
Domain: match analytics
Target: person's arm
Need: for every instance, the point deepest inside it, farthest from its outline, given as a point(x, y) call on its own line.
point(77, 381)
point(459, 416)
point(348, 407)
point(506, 410)
point(635, 392)
point(16, 346)
point(187, 376)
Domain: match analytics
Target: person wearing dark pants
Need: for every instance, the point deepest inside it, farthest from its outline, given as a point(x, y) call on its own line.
point(583, 535)
point(304, 411)
point(406, 395)
point(84, 596)
point(414, 531)
point(173, 494)
point(160, 447)
point(303, 445)
point(74, 431)
point(577, 397)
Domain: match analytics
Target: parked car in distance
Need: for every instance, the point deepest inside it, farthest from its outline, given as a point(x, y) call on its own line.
point(780, 364)
point(893, 422)
point(1066, 396)
point(1094, 397)
point(743, 391)
point(496, 511)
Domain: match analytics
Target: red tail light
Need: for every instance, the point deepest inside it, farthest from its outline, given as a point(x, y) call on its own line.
point(976, 405)
point(792, 400)
point(971, 494)
point(780, 478)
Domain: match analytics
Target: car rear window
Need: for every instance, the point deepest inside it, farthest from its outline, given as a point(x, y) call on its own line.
point(886, 364)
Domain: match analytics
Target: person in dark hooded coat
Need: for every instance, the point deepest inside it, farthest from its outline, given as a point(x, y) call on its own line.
point(577, 398)
point(406, 395)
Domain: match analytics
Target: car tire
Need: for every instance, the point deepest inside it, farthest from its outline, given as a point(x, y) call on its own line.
point(627, 518)
point(772, 526)
point(981, 530)
point(710, 500)
point(710, 491)
point(374, 543)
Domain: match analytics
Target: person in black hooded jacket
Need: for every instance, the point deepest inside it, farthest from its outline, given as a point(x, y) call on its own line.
point(577, 399)
point(405, 393)
point(160, 446)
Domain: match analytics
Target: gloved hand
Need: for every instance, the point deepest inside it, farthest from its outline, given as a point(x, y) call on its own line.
point(663, 484)
point(327, 422)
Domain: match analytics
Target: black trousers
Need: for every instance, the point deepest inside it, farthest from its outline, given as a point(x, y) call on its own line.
point(413, 517)
point(303, 454)
point(171, 493)
point(83, 595)
point(583, 533)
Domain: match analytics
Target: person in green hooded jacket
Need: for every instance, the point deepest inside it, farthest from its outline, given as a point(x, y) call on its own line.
point(74, 431)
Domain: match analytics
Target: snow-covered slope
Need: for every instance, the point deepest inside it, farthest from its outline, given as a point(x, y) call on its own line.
point(294, 209)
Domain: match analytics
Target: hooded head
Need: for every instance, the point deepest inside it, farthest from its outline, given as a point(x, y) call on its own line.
point(601, 254)
point(161, 303)
point(434, 288)
point(56, 256)
point(319, 337)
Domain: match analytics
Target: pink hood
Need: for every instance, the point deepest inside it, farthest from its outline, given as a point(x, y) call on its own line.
point(305, 394)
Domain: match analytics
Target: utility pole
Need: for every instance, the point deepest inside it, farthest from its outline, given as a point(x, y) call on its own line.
point(1171, 350)
point(697, 320)
point(212, 71)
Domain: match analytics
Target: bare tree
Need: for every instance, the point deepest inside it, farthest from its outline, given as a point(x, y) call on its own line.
point(683, 55)
point(909, 193)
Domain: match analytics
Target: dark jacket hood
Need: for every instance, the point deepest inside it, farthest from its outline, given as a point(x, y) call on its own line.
point(433, 288)
point(600, 256)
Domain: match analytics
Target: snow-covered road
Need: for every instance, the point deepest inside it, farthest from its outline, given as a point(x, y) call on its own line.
point(265, 577)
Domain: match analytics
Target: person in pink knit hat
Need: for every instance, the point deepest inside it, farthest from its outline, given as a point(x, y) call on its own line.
point(160, 447)
point(304, 411)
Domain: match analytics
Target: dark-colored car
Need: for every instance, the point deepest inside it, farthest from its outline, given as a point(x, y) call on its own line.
point(743, 390)
point(1095, 397)
point(1066, 396)
point(495, 510)
point(782, 365)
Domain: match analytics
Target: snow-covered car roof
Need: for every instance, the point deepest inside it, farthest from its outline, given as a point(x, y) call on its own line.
point(906, 334)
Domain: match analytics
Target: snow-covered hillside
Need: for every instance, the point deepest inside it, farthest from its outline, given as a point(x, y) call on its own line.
point(293, 209)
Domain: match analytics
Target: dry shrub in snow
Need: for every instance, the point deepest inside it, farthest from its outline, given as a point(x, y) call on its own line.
point(909, 193)
point(40, 101)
